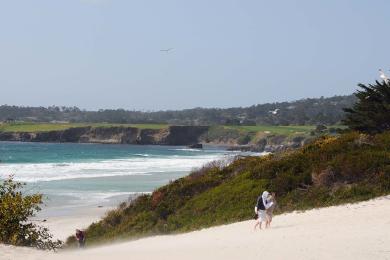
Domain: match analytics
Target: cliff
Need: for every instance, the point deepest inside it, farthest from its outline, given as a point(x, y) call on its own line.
point(255, 140)
point(172, 135)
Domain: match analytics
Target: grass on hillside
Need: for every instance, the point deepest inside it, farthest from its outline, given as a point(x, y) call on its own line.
point(329, 171)
point(45, 127)
point(281, 130)
point(244, 135)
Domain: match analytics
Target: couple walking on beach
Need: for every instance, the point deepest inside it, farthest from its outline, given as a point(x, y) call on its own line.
point(264, 208)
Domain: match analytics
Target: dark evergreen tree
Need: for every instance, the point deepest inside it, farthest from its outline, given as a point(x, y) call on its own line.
point(371, 112)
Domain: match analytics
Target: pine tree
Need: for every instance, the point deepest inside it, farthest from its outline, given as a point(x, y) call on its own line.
point(371, 113)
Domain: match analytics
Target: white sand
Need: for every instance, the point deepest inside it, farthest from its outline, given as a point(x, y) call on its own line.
point(63, 227)
point(357, 231)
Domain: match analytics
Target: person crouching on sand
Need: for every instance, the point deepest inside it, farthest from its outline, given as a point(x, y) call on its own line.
point(270, 210)
point(80, 237)
point(261, 206)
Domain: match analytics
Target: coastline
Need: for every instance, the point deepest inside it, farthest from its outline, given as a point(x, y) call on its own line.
point(351, 231)
point(171, 135)
point(234, 138)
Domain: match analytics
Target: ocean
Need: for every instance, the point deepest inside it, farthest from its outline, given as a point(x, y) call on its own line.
point(78, 175)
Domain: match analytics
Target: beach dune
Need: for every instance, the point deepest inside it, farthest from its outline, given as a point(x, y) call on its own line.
point(352, 231)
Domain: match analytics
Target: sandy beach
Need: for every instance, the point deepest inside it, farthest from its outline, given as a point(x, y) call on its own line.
point(352, 231)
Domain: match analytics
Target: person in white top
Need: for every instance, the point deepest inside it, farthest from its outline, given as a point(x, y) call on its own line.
point(260, 208)
point(270, 210)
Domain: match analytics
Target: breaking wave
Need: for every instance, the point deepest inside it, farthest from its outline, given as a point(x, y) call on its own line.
point(142, 165)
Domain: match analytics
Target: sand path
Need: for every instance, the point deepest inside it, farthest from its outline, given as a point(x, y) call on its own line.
point(354, 231)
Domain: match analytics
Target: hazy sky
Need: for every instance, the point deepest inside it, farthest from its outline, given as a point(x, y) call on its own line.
point(106, 53)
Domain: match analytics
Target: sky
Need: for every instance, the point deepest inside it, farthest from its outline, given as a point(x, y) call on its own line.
point(106, 53)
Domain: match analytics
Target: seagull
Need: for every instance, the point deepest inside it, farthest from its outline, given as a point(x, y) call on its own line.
point(166, 50)
point(274, 112)
point(383, 76)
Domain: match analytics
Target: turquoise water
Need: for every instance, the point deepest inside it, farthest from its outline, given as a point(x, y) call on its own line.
point(95, 174)
point(19, 152)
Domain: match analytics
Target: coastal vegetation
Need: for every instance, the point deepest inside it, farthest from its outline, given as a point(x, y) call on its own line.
point(329, 171)
point(246, 134)
point(267, 138)
point(16, 209)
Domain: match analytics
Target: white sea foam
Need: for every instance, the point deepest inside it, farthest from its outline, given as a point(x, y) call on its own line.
point(186, 149)
point(35, 172)
point(142, 154)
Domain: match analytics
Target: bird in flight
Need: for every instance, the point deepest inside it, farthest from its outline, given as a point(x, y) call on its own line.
point(166, 50)
point(274, 112)
point(383, 76)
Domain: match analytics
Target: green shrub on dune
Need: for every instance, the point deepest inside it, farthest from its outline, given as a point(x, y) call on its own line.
point(16, 209)
point(329, 171)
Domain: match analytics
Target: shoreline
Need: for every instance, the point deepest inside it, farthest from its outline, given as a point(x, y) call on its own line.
point(227, 147)
point(352, 231)
point(61, 227)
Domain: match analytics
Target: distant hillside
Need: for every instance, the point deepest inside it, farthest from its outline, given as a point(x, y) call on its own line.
point(257, 138)
point(310, 111)
point(329, 171)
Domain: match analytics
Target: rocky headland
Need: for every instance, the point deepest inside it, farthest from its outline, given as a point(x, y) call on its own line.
point(192, 136)
point(172, 135)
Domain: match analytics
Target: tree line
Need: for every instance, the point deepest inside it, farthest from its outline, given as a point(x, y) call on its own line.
point(301, 112)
